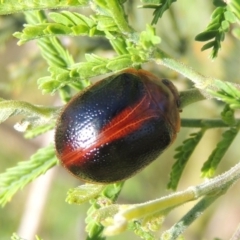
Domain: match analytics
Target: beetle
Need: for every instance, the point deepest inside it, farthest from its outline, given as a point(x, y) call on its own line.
point(113, 129)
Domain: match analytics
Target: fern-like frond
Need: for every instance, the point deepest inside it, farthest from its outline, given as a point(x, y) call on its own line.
point(131, 54)
point(227, 93)
point(164, 6)
point(14, 6)
point(38, 130)
point(58, 59)
point(71, 24)
point(51, 48)
point(210, 166)
point(221, 19)
point(35, 115)
point(64, 23)
point(159, 6)
point(63, 71)
point(16, 178)
point(182, 155)
point(216, 156)
point(115, 10)
point(83, 70)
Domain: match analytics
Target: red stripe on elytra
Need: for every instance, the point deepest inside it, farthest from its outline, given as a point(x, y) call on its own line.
point(116, 129)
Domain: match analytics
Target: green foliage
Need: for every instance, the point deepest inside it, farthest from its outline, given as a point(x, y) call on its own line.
point(108, 20)
point(18, 177)
point(227, 116)
point(99, 196)
point(38, 118)
point(227, 93)
point(159, 6)
point(107, 197)
point(83, 193)
point(221, 20)
point(63, 70)
point(228, 136)
point(207, 191)
point(37, 130)
point(64, 23)
point(11, 108)
point(182, 156)
point(141, 232)
point(58, 59)
point(216, 156)
point(14, 6)
point(186, 149)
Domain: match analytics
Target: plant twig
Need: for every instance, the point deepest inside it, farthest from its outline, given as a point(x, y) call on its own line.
point(205, 123)
point(178, 228)
point(211, 189)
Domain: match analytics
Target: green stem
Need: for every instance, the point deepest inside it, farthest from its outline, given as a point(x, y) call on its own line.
point(210, 189)
point(137, 211)
point(213, 189)
point(141, 210)
point(207, 86)
point(177, 229)
point(26, 108)
point(190, 96)
point(204, 123)
point(163, 59)
point(204, 83)
point(8, 7)
point(218, 184)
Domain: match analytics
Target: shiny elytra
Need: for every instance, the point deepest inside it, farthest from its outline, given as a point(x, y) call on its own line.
point(116, 127)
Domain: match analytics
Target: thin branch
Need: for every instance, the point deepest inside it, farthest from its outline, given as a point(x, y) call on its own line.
point(210, 189)
point(205, 123)
point(178, 228)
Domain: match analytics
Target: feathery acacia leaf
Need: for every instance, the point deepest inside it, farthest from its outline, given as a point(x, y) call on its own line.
point(18, 177)
point(14, 6)
point(227, 93)
point(159, 6)
point(219, 25)
point(182, 155)
point(34, 115)
point(216, 156)
point(210, 166)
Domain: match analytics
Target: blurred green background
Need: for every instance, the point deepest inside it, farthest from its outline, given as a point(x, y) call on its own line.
point(40, 208)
